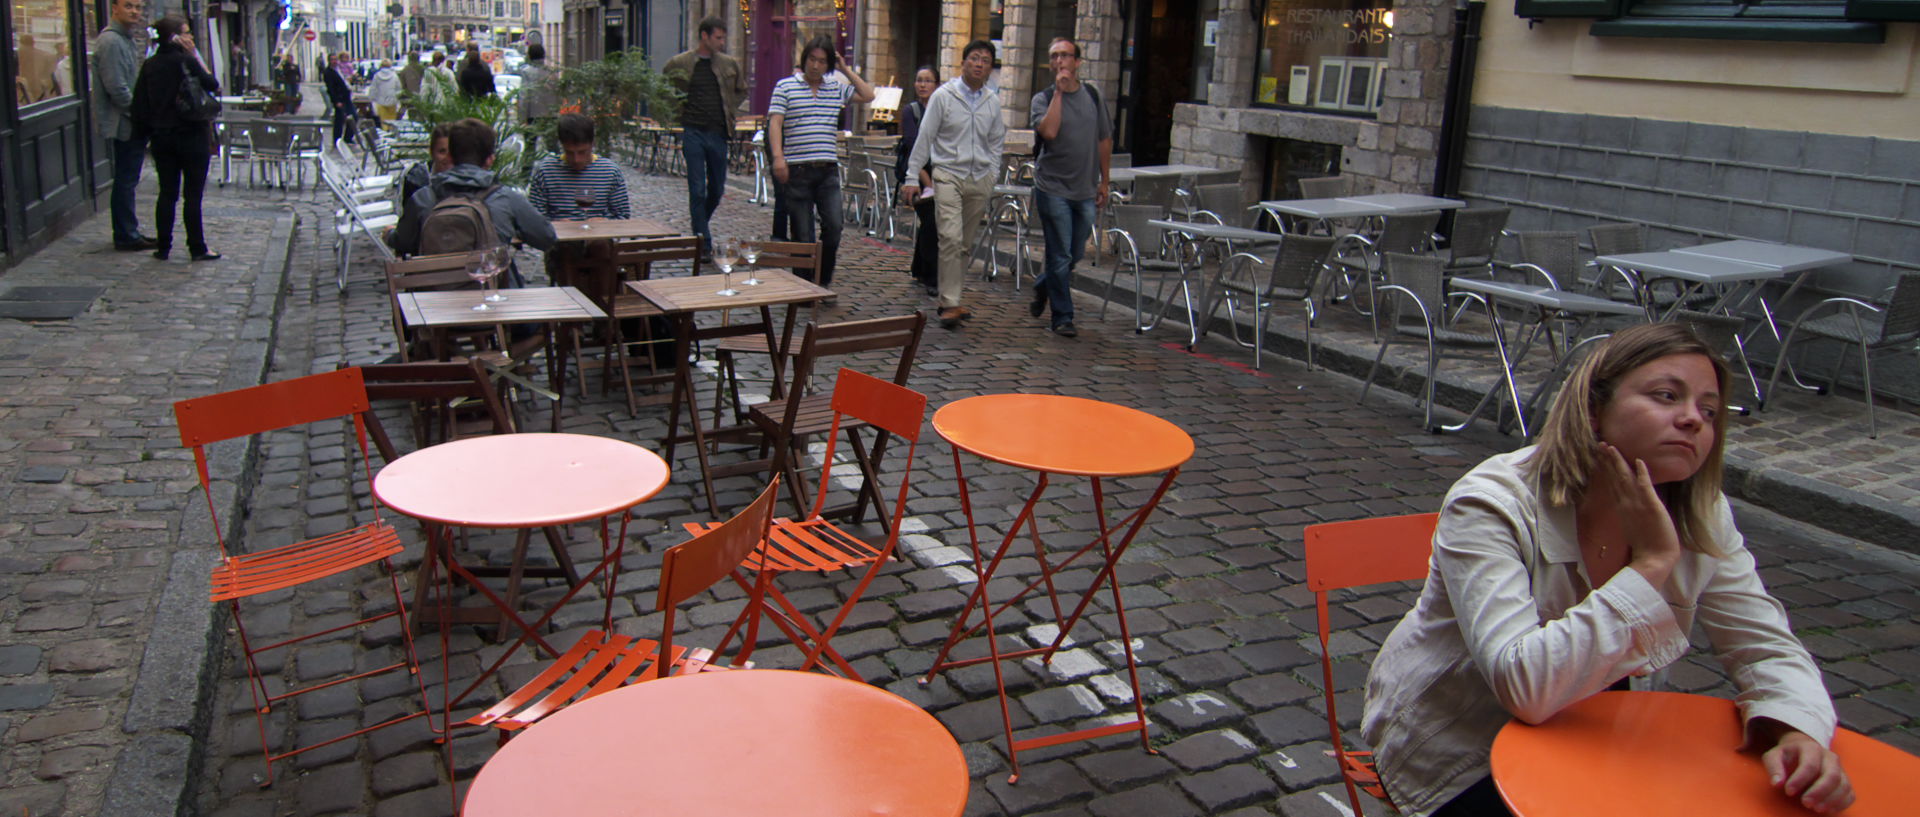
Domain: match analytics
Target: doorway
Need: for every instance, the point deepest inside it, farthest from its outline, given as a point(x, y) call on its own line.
point(1156, 64)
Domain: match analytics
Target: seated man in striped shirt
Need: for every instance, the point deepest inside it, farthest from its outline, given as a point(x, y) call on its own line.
point(577, 185)
point(803, 127)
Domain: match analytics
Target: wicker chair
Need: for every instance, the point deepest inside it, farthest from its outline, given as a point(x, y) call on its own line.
point(1416, 300)
point(1292, 276)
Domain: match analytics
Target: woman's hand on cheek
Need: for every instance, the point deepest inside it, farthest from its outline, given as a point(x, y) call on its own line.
point(1644, 522)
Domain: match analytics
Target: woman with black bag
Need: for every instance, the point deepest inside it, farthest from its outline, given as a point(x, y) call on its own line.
point(174, 105)
point(926, 239)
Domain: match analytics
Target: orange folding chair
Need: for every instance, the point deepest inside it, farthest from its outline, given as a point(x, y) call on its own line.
point(286, 404)
point(1356, 554)
point(815, 544)
point(601, 662)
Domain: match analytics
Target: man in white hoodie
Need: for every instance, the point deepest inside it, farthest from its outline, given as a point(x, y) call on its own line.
point(962, 134)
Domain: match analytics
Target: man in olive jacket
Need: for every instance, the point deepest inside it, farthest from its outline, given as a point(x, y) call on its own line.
point(116, 62)
point(714, 88)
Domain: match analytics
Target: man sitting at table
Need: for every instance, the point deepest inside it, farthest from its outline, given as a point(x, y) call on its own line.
point(577, 185)
point(470, 144)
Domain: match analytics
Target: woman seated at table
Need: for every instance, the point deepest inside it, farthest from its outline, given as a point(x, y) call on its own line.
point(1569, 567)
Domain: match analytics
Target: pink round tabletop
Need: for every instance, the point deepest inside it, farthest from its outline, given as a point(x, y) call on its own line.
point(1059, 434)
point(741, 743)
point(520, 480)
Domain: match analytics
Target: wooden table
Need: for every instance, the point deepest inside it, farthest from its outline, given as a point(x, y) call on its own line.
point(554, 307)
point(741, 743)
point(682, 299)
point(1051, 435)
point(516, 481)
point(611, 228)
point(1669, 753)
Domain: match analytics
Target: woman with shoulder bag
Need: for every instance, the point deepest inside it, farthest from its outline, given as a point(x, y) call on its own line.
point(926, 239)
point(177, 116)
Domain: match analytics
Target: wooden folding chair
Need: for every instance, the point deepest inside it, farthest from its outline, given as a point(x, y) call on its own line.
point(601, 661)
point(424, 273)
point(1355, 554)
point(445, 401)
point(605, 283)
point(238, 576)
point(814, 544)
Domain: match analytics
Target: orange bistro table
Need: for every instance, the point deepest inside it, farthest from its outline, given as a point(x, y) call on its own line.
point(1069, 436)
point(1671, 753)
point(517, 481)
point(742, 743)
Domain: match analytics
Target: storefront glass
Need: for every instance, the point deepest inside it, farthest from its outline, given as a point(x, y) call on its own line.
point(40, 43)
point(1323, 54)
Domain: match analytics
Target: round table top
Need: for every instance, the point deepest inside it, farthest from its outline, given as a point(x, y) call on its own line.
point(520, 480)
point(1671, 753)
point(1063, 435)
point(740, 742)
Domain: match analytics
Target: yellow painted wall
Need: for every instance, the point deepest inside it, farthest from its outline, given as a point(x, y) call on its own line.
point(1856, 90)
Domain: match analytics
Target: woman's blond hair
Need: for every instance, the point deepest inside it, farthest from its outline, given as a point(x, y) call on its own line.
point(1568, 449)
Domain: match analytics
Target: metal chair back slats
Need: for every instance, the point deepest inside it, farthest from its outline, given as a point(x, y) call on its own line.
point(1902, 321)
point(1476, 233)
point(1616, 239)
point(1555, 252)
point(1324, 187)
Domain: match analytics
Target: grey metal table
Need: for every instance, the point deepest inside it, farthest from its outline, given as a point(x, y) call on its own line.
point(1369, 206)
point(1548, 303)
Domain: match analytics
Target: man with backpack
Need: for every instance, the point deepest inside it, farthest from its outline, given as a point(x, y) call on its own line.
point(463, 209)
point(1074, 141)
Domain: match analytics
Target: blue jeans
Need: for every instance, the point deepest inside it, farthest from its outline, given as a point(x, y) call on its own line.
point(706, 154)
point(814, 188)
point(1066, 223)
point(126, 155)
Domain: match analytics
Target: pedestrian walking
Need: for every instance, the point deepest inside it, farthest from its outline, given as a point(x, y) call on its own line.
point(384, 91)
point(804, 115)
point(1581, 564)
point(412, 73)
point(1073, 143)
point(538, 98)
point(926, 239)
point(963, 136)
point(340, 94)
point(714, 87)
point(476, 79)
point(438, 80)
point(115, 67)
point(182, 141)
point(287, 76)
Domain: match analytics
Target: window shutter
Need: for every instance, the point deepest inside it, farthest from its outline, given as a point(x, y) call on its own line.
point(1884, 10)
point(1536, 9)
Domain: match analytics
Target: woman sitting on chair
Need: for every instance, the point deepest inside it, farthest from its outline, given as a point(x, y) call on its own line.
point(1570, 567)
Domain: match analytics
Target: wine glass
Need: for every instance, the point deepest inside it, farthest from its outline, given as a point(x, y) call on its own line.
point(586, 200)
point(494, 262)
point(477, 270)
point(750, 253)
point(726, 253)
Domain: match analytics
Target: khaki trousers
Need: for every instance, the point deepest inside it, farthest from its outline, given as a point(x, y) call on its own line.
point(958, 206)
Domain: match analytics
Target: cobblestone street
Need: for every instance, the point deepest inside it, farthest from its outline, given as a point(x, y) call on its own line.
point(106, 549)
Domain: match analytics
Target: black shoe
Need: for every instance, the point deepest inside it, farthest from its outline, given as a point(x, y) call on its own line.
point(1066, 330)
point(206, 256)
point(1039, 304)
point(161, 254)
point(933, 290)
point(145, 243)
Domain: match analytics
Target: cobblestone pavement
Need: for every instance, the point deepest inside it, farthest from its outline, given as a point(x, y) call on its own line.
point(1213, 586)
point(98, 500)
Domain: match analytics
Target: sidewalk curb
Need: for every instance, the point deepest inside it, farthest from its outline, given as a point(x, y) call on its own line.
point(170, 710)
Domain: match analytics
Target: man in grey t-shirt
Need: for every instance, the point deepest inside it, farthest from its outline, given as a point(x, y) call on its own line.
point(1074, 137)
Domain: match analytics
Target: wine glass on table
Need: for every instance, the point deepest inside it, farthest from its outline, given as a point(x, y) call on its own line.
point(495, 261)
point(588, 202)
point(726, 253)
point(477, 270)
point(750, 253)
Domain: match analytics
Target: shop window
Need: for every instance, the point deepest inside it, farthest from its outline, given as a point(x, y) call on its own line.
point(1323, 54)
point(40, 45)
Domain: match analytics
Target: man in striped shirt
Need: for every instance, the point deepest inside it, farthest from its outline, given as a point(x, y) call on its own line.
point(577, 185)
point(803, 130)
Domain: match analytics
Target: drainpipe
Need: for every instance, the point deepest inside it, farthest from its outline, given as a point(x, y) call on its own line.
point(1453, 118)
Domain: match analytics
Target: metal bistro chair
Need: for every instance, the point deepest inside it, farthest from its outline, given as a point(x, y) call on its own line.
point(1474, 240)
point(1143, 247)
point(1615, 239)
point(1323, 187)
point(1222, 204)
point(1417, 303)
point(1361, 553)
point(1898, 331)
point(1292, 276)
point(1361, 259)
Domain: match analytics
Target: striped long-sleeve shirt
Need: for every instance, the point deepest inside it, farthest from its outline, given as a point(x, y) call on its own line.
point(556, 190)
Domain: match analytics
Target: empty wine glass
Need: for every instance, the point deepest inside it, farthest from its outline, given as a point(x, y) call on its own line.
point(477, 270)
point(495, 262)
point(750, 253)
point(726, 253)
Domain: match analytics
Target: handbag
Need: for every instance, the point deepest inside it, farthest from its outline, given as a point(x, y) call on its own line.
point(193, 103)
